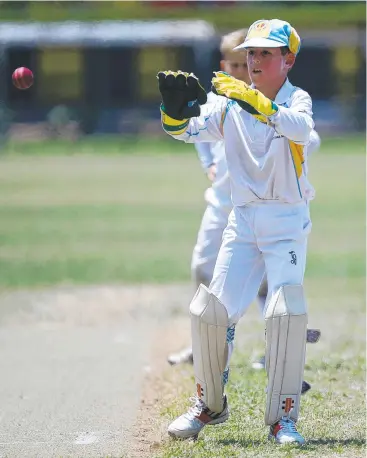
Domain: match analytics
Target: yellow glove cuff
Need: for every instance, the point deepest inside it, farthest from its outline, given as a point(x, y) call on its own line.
point(173, 126)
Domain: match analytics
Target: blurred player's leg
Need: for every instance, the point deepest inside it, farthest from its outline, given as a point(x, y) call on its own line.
point(204, 256)
point(208, 243)
point(259, 363)
point(215, 312)
point(262, 295)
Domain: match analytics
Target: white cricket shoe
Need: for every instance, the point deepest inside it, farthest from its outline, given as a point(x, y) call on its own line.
point(193, 421)
point(285, 432)
point(259, 364)
point(184, 356)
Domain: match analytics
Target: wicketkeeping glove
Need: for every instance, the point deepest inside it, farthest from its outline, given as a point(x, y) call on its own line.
point(249, 99)
point(182, 94)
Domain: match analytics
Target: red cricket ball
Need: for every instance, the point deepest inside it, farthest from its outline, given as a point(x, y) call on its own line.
point(22, 78)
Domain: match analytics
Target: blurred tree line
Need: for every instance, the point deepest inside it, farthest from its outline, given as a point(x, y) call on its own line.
point(303, 14)
point(105, 88)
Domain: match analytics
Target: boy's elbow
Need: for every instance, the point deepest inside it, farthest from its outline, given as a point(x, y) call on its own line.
point(303, 134)
point(303, 137)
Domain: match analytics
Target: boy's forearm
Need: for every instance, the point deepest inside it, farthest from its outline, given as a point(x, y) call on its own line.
point(293, 124)
point(194, 130)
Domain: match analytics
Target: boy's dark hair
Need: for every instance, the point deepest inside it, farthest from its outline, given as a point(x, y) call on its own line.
point(284, 50)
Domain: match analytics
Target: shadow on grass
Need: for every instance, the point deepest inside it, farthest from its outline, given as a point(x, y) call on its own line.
point(310, 444)
point(245, 443)
point(336, 442)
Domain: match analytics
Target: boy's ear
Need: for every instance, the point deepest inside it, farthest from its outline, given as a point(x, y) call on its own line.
point(290, 59)
point(221, 65)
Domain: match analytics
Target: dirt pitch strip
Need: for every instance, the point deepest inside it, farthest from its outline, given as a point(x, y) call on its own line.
point(81, 369)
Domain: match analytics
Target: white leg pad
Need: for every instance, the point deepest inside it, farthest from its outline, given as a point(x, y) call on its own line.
point(286, 328)
point(209, 323)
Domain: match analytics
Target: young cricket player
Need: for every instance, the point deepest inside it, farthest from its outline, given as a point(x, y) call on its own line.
point(266, 129)
point(218, 195)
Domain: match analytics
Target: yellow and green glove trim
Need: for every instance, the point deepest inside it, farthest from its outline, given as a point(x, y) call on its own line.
point(173, 126)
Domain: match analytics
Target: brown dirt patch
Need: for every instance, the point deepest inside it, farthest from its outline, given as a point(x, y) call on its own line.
point(161, 385)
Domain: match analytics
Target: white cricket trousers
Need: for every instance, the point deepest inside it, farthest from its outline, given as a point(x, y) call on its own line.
point(263, 235)
point(209, 240)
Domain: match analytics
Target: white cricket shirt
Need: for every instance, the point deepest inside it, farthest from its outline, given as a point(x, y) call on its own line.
point(265, 162)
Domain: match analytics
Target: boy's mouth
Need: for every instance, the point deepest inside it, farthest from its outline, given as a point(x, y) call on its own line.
point(256, 71)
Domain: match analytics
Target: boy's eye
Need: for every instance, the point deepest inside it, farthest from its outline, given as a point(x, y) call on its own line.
point(263, 53)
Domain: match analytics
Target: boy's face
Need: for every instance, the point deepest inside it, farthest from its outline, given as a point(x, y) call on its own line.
point(235, 64)
point(268, 65)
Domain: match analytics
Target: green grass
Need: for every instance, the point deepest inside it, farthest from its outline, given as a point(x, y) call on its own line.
point(93, 219)
point(332, 413)
point(102, 215)
point(159, 144)
point(95, 145)
point(87, 213)
point(302, 15)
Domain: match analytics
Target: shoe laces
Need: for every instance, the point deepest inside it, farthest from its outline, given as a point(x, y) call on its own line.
point(288, 425)
point(197, 408)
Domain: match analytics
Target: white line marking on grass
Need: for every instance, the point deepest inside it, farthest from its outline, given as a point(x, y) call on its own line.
point(121, 338)
point(86, 439)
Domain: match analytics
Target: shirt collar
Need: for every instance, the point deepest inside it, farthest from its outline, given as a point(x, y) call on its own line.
point(284, 93)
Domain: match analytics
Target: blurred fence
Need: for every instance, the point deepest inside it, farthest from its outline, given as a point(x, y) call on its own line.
point(97, 77)
point(100, 77)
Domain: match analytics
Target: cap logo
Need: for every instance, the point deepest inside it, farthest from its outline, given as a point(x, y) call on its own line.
point(260, 29)
point(260, 25)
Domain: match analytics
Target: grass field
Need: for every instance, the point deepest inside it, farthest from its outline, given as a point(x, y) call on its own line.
point(101, 214)
point(123, 212)
point(90, 218)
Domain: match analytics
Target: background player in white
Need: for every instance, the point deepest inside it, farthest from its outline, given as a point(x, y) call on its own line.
point(218, 195)
point(266, 129)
